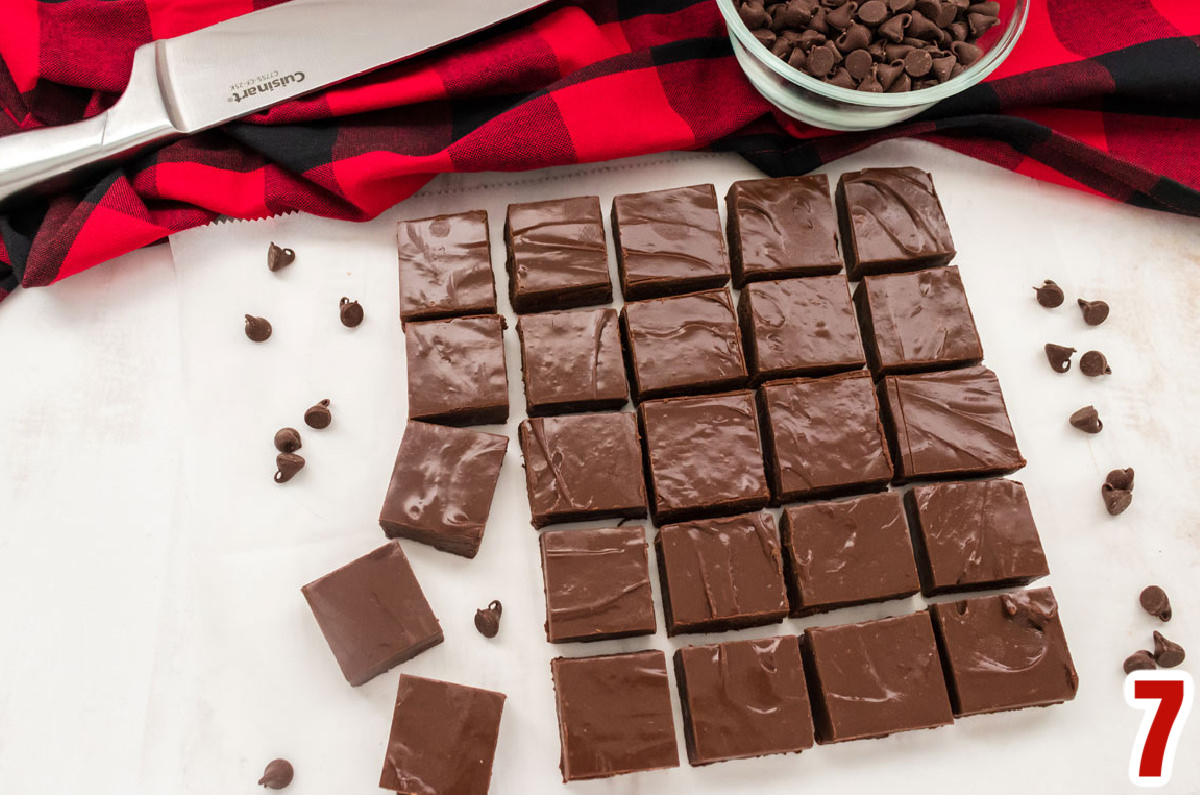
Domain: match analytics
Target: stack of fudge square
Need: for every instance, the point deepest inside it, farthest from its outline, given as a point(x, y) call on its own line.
point(867, 418)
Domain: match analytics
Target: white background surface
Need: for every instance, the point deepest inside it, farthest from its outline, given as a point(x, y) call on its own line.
point(152, 634)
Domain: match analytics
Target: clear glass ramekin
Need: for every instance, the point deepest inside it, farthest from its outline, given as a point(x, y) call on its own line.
point(823, 105)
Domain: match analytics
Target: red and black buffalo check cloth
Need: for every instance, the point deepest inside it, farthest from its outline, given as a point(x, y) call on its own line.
point(1101, 95)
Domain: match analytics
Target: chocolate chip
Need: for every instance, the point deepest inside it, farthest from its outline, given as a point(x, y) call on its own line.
point(1087, 419)
point(858, 64)
point(886, 74)
point(1167, 654)
point(795, 14)
point(279, 258)
point(797, 59)
point(1117, 491)
point(921, 27)
point(820, 21)
point(842, 17)
point(1059, 357)
point(929, 8)
point(1120, 479)
point(287, 440)
point(351, 312)
point(765, 36)
point(966, 52)
point(958, 31)
point(871, 84)
point(1049, 295)
point(981, 23)
point(901, 84)
point(897, 52)
point(918, 63)
point(258, 329)
point(318, 416)
point(287, 465)
point(873, 12)
point(856, 38)
point(894, 29)
point(487, 620)
point(1141, 660)
point(782, 48)
point(943, 66)
point(946, 14)
point(1094, 364)
point(989, 8)
point(841, 78)
point(900, 6)
point(278, 775)
point(754, 16)
point(820, 61)
point(1154, 601)
point(1094, 312)
point(810, 39)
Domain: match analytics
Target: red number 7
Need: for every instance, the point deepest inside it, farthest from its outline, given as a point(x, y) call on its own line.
point(1166, 697)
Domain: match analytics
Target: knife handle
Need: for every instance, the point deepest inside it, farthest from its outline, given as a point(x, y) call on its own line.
point(47, 159)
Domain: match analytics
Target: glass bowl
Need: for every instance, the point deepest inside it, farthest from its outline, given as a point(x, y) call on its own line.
point(831, 107)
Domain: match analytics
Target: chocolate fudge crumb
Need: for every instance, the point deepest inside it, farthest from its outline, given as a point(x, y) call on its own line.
point(258, 329)
point(1154, 601)
point(1140, 660)
point(287, 465)
point(279, 772)
point(1059, 357)
point(351, 312)
point(279, 258)
point(287, 440)
point(318, 416)
point(1087, 419)
point(1167, 654)
point(1094, 312)
point(1093, 364)
point(1049, 295)
point(487, 619)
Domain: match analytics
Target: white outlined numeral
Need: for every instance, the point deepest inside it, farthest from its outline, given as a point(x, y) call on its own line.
point(1166, 699)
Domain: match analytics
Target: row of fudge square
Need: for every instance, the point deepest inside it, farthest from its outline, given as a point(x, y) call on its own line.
point(789, 440)
point(694, 343)
point(735, 572)
point(740, 699)
point(748, 698)
point(671, 241)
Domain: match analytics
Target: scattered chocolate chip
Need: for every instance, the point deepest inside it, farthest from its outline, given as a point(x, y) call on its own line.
point(1094, 312)
point(1117, 491)
point(1087, 419)
point(1154, 601)
point(278, 775)
point(258, 329)
point(1140, 660)
point(1049, 295)
point(1093, 364)
point(287, 465)
point(1167, 654)
point(487, 620)
point(1059, 357)
point(351, 312)
point(318, 416)
point(287, 440)
point(279, 258)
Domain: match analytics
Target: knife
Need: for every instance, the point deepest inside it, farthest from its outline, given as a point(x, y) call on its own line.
point(194, 82)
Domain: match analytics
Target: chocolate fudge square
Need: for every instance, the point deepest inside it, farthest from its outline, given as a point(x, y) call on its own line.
point(849, 552)
point(442, 487)
point(669, 242)
point(721, 574)
point(799, 327)
point(597, 584)
point(557, 255)
point(948, 425)
point(780, 228)
point(445, 267)
point(572, 361)
point(917, 321)
point(875, 678)
point(891, 220)
point(974, 535)
point(614, 714)
point(373, 613)
point(703, 456)
point(824, 437)
point(1005, 652)
point(443, 738)
point(684, 344)
point(743, 698)
point(456, 371)
point(583, 466)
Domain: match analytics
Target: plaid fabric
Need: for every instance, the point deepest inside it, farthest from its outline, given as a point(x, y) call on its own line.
point(1104, 97)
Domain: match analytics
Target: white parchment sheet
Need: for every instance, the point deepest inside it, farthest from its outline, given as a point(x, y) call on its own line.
point(236, 672)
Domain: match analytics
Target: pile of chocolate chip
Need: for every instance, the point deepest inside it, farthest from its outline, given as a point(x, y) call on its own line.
point(876, 45)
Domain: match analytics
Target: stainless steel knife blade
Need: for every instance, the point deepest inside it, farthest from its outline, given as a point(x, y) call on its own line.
point(203, 79)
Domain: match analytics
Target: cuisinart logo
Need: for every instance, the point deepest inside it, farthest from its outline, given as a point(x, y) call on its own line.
point(262, 84)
